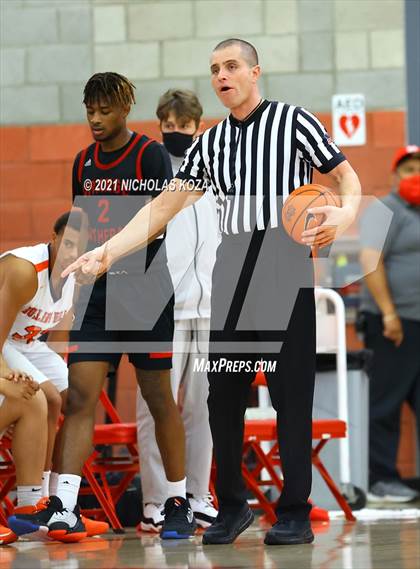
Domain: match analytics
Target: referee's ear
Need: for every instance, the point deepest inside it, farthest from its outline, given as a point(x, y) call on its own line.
point(256, 72)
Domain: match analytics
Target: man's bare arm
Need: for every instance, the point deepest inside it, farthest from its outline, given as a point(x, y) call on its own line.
point(345, 179)
point(18, 284)
point(377, 284)
point(149, 222)
point(337, 219)
point(376, 280)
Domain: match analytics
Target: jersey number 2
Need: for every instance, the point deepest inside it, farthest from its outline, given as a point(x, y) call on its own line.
point(103, 205)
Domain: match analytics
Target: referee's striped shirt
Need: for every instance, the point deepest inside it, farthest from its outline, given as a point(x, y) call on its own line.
point(253, 164)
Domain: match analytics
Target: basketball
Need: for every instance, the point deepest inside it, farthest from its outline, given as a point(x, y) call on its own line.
point(295, 215)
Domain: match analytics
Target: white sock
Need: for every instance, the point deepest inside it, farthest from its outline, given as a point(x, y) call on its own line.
point(53, 484)
point(177, 488)
point(68, 489)
point(46, 483)
point(28, 495)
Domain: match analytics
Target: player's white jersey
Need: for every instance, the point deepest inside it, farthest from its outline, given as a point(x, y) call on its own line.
point(42, 312)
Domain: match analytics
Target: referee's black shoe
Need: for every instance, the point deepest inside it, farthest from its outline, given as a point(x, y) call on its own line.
point(179, 520)
point(289, 532)
point(228, 526)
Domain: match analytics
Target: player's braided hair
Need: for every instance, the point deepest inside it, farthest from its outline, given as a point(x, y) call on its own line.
point(111, 87)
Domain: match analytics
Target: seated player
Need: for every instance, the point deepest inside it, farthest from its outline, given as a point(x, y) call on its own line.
point(34, 298)
point(191, 247)
point(23, 405)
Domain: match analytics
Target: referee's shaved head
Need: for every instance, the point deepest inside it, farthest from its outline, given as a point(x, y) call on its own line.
point(249, 52)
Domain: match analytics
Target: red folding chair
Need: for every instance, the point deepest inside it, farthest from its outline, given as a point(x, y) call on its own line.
point(96, 468)
point(265, 430)
point(7, 479)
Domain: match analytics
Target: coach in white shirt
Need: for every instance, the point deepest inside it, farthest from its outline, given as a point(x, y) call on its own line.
point(191, 244)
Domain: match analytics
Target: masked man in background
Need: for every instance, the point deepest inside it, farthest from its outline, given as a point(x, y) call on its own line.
point(391, 319)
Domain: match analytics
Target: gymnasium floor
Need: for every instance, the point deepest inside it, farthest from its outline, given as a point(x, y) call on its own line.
point(380, 544)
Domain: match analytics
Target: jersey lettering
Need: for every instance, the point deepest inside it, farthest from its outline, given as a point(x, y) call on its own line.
point(43, 316)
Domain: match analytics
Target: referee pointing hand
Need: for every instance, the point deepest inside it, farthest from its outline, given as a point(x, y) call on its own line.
point(262, 295)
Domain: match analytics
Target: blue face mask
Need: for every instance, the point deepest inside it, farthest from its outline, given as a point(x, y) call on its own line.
point(176, 143)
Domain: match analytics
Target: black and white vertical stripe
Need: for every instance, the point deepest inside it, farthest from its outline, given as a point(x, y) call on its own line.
point(252, 164)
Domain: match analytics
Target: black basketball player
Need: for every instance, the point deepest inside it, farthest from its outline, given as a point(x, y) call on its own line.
point(128, 310)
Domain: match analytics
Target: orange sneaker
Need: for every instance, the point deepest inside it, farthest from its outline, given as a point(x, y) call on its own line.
point(93, 527)
point(42, 504)
point(7, 536)
point(30, 531)
point(48, 520)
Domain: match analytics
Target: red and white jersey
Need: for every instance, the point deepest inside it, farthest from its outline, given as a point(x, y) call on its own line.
point(42, 312)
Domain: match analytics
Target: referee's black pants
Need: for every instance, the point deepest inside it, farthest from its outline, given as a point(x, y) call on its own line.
point(279, 271)
point(394, 376)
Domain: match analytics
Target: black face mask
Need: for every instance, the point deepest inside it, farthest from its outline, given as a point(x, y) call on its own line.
point(176, 143)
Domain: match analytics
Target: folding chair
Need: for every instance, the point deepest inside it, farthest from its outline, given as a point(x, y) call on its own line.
point(7, 479)
point(265, 430)
point(97, 467)
point(259, 432)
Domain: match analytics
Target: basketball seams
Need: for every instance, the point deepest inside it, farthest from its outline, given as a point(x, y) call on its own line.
point(317, 190)
point(304, 211)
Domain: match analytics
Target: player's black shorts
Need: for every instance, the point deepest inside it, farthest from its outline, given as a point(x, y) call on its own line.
point(148, 345)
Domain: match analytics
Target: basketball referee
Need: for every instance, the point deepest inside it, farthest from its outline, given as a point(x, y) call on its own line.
point(262, 295)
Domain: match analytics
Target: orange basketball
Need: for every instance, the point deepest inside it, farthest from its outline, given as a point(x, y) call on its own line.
point(295, 216)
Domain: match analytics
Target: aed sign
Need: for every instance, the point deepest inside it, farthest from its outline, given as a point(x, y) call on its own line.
point(349, 120)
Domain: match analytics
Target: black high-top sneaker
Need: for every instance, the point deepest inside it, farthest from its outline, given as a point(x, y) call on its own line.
point(58, 522)
point(179, 519)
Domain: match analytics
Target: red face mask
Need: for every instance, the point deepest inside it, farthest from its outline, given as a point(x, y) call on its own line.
point(409, 189)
